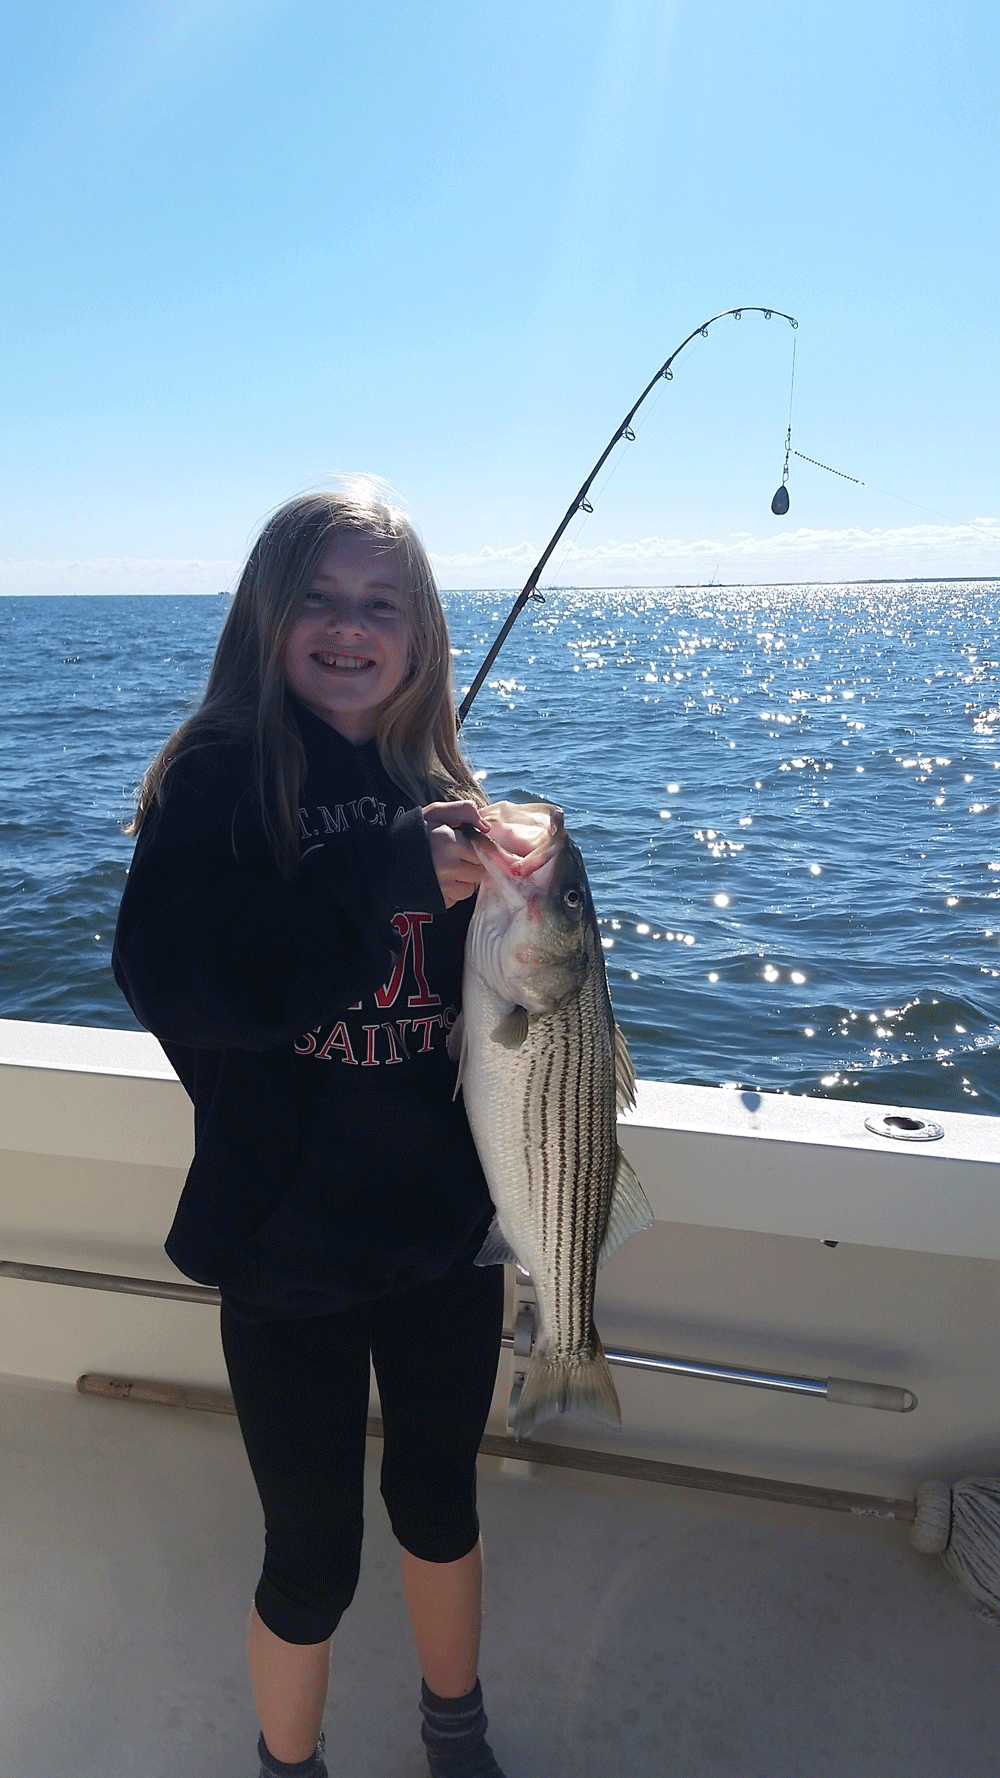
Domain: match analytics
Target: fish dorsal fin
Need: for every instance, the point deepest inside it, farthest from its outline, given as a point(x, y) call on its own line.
point(629, 1211)
point(624, 1073)
point(457, 1046)
point(512, 1030)
point(496, 1250)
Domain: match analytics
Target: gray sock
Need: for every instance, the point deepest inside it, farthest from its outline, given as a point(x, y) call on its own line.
point(454, 1734)
point(313, 1767)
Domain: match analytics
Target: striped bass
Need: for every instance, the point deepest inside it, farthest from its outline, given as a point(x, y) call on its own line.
point(543, 1069)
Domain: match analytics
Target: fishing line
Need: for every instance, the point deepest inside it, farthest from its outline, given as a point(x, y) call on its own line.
point(588, 512)
point(964, 524)
point(581, 503)
point(779, 505)
point(630, 435)
point(588, 509)
point(826, 466)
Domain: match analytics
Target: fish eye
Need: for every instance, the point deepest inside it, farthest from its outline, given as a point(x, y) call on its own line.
point(572, 898)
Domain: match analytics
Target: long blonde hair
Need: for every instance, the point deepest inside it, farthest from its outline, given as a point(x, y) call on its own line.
point(246, 698)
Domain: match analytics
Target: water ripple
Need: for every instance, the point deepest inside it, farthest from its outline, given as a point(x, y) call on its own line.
point(787, 799)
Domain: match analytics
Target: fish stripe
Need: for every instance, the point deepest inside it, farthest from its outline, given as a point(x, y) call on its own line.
point(567, 1205)
point(584, 1100)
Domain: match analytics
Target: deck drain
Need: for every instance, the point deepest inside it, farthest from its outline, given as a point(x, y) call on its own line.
point(904, 1126)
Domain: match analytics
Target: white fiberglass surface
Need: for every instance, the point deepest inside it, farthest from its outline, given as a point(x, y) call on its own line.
point(630, 1629)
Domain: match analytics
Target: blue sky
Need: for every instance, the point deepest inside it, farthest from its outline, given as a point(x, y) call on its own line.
point(254, 243)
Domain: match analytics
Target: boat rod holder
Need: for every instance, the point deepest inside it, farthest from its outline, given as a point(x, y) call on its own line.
point(520, 1341)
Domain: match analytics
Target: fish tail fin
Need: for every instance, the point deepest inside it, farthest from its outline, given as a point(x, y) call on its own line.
point(557, 1384)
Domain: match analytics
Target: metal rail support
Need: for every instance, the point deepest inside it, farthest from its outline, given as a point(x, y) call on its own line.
point(846, 1391)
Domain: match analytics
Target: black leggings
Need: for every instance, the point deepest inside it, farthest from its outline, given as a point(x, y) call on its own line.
point(301, 1390)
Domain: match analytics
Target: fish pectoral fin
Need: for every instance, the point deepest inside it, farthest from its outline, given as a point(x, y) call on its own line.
point(624, 1073)
point(456, 1047)
point(512, 1030)
point(496, 1250)
point(629, 1211)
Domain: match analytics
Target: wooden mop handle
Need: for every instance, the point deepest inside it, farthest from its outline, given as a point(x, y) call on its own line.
point(640, 1469)
point(159, 1395)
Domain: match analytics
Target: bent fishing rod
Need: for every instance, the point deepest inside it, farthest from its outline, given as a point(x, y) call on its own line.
point(580, 502)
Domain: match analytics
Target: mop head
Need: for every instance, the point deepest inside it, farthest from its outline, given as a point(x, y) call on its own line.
point(962, 1526)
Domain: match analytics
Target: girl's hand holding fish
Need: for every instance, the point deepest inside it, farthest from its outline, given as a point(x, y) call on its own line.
point(451, 829)
point(458, 870)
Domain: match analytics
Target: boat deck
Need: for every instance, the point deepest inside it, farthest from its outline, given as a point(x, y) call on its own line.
point(631, 1629)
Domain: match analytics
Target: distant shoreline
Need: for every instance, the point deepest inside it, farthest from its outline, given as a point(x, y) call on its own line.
point(628, 586)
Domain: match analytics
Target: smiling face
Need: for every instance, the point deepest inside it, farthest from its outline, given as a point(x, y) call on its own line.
point(348, 648)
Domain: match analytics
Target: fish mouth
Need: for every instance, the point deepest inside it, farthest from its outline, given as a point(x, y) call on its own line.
point(528, 935)
point(533, 835)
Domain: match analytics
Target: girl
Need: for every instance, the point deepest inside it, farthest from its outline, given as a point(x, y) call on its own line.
point(292, 931)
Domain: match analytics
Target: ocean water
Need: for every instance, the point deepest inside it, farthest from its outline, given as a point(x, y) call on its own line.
point(787, 798)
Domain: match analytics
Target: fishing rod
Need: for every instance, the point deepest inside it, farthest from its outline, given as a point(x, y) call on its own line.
point(580, 502)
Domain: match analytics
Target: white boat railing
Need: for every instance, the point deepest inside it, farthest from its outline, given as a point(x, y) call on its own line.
point(793, 1245)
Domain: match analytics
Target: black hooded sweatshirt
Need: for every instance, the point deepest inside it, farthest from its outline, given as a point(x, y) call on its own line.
point(307, 1020)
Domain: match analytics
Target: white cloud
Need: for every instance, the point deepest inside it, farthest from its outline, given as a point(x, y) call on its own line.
point(904, 553)
point(908, 552)
point(115, 574)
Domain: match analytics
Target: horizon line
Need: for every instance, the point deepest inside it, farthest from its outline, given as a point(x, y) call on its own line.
point(561, 587)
